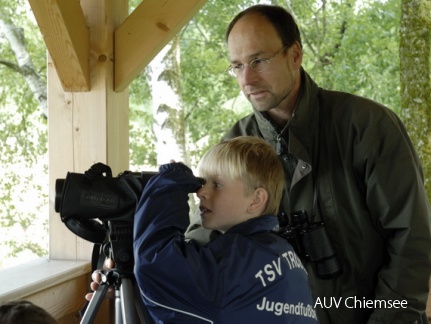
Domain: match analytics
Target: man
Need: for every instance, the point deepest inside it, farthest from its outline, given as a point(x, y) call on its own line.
point(350, 164)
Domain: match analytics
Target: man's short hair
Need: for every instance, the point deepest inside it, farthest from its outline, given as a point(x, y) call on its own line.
point(283, 22)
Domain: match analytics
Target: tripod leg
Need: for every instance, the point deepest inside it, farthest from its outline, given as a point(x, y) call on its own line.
point(127, 302)
point(93, 306)
point(119, 311)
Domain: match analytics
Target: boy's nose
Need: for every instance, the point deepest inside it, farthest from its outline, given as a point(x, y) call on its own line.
point(201, 193)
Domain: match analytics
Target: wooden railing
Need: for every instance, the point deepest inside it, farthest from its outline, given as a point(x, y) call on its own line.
point(57, 286)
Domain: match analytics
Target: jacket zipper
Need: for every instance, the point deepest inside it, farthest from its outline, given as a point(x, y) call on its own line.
point(278, 144)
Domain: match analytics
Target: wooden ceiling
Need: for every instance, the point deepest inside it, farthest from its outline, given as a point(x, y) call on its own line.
point(137, 40)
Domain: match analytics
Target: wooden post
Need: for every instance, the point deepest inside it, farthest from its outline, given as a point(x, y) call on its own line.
point(87, 127)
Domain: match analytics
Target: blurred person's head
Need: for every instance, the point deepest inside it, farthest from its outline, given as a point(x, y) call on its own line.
point(24, 312)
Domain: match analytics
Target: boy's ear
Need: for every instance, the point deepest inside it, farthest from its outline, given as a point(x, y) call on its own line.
point(258, 204)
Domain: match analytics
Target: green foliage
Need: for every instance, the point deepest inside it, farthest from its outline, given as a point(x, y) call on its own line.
point(205, 87)
point(23, 160)
point(352, 46)
point(141, 147)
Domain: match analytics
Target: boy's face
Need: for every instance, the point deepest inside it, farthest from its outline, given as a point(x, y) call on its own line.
point(223, 203)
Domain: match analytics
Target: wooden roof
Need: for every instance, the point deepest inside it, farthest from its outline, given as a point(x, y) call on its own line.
point(65, 29)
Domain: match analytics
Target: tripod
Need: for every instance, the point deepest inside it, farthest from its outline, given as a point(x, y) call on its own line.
point(128, 307)
point(128, 303)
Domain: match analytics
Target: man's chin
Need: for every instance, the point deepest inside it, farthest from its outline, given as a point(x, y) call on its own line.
point(260, 106)
point(260, 109)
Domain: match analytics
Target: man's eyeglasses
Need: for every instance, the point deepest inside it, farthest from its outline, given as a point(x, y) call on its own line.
point(257, 65)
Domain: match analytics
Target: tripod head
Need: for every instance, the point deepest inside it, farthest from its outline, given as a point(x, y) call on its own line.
point(119, 245)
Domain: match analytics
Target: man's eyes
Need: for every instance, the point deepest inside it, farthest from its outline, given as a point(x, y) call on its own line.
point(257, 62)
point(252, 64)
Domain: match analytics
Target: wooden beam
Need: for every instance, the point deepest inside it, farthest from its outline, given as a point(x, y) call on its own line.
point(63, 26)
point(87, 127)
point(145, 32)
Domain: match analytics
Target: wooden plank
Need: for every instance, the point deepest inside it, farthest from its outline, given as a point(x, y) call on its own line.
point(68, 152)
point(145, 32)
point(87, 127)
point(62, 242)
point(64, 298)
point(21, 281)
point(57, 286)
point(63, 27)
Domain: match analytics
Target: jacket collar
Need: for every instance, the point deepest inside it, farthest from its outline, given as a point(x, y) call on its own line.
point(264, 223)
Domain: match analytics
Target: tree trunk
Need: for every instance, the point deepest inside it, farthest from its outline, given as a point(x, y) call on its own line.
point(415, 44)
point(25, 65)
point(168, 112)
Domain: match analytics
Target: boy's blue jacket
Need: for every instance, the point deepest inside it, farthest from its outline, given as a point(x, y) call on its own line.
point(247, 275)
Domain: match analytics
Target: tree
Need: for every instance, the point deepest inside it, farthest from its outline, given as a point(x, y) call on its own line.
point(415, 47)
point(23, 164)
point(351, 46)
point(23, 63)
point(168, 111)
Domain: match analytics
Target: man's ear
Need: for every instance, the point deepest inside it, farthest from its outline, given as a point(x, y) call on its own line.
point(258, 204)
point(297, 54)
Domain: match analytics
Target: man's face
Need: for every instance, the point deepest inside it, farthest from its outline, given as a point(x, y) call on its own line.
point(254, 37)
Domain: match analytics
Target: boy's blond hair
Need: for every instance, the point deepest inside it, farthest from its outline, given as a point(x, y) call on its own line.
point(251, 160)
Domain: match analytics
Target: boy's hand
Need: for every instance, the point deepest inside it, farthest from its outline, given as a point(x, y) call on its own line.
point(96, 277)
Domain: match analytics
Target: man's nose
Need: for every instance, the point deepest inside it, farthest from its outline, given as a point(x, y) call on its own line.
point(248, 75)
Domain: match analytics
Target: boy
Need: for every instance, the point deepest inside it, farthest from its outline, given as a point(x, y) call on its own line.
point(246, 275)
